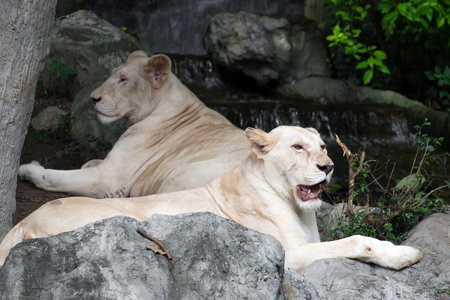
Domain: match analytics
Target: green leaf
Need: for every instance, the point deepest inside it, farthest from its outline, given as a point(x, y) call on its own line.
point(430, 75)
point(440, 22)
point(368, 75)
point(356, 32)
point(424, 23)
point(363, 50)
point(362, 65)
point(344, 15)
point(389, 19)
point(336, 29)
point(380, 54)
point(447, 71)
point(404, 9)
point(371, 61)
point(383, 68)
point(425, 9)
point(385, 7)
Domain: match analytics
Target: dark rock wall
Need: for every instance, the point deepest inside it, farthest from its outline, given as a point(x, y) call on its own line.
point(178, 26)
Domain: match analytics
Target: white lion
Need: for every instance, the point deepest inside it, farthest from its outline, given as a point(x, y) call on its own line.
point(174, 142)
point(275, 190)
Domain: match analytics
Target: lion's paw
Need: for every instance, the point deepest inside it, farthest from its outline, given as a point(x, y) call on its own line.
point(405, 256)
point(397, 257)
point(28, 170)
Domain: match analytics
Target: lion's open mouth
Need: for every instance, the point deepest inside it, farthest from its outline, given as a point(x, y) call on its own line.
point(309, 192)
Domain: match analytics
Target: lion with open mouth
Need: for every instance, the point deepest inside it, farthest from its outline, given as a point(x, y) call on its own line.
point(275, 190)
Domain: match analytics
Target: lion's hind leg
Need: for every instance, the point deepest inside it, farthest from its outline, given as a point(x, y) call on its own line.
point(16, 235)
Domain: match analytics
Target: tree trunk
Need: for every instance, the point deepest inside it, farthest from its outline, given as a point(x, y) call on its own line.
point(25, 34)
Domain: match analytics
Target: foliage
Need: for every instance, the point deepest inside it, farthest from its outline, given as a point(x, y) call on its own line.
point(443, 291)
point(57, 70)
point(40, 135)
point(346, 34)
point(124, 29)
point(418, 18)
point(400, 207)
point(443, 81)
point(422, 23)
point(101, 148)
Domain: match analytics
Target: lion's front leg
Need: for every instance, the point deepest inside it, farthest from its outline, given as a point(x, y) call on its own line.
point(88, 181)
point(357, 247)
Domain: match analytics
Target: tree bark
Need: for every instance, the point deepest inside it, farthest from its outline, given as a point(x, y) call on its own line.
point(25, 35)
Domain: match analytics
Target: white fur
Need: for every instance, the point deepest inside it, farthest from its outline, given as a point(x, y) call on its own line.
point(260, 193)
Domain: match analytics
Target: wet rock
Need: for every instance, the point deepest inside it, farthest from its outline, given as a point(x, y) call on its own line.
point(267, 48)
point(48, 119)
point(84, 50)
point(328, 91)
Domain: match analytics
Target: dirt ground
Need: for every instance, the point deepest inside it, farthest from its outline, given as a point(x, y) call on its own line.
point(44, 148)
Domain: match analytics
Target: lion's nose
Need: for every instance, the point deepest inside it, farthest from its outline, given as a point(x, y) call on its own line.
point(326, 168)
point(96, 99)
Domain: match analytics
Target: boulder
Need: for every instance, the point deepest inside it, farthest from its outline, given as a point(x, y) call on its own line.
point(349, 279)
point(48, 119)
point(177, 26)
point(267, 48)
point(83, 51)
point(212, 258)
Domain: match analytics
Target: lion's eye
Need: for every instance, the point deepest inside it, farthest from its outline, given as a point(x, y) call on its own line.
point(297, 147)
point(323, 147)
point(122, 80)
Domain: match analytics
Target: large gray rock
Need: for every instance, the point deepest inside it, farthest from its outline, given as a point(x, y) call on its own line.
point(212, 258)
point(178, 26)
point(267, 48)
point(48, 119)
point(350, 279)
point(87, 44)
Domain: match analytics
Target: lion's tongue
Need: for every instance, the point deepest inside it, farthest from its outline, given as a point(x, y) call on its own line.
point(306, 193)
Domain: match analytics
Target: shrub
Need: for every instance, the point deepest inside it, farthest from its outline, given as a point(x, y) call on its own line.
point(400, 207)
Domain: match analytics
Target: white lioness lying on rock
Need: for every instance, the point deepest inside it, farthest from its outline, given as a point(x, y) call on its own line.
point(174, 143)
point(275, 191)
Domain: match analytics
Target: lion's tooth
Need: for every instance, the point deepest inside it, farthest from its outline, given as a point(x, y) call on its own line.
point(309, 191)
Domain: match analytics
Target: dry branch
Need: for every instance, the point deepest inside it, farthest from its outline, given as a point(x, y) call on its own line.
point(352, 173)
point(158, 242)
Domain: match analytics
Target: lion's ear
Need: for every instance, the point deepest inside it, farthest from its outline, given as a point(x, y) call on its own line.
point(157, 68)
point(136, 54)
point(259, 141)
point(313, 130)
